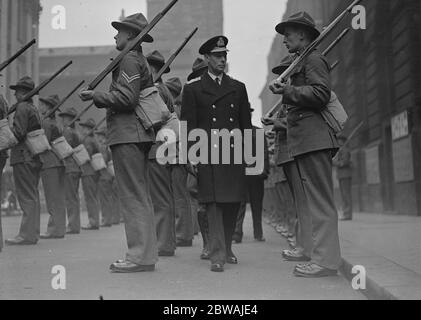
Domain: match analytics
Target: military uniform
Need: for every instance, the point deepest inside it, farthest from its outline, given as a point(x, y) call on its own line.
point(210, 106)
point(312, 143)
point(26, 168)
point(342, 161)
point(3, 159)
point(130, 144)
point(72, 176)
point(52, 176)
point(90, 179)
point(255, 193)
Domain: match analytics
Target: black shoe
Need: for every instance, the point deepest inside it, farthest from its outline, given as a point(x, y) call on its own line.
point(166, 253)
point(50, 236)
point(72, 232)
point(294, 255)
point(129, 267)
point(313, 270)
point(184, 243)
point(89, 227)
point(19, 241)
point(232, 260)
point(217, 267)
point(205, 255)
point(106, 225)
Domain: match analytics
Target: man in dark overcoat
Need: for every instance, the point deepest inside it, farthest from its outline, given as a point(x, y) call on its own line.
point(212, 103)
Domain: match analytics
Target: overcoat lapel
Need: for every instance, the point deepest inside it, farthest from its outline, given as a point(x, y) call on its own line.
point(217, 92)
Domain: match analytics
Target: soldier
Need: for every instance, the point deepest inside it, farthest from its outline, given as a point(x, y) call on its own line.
point(90, 178)
point(26, 167)
point(255, 192)
point(130, 144)
point(105, 183)
point(72, 173)
point(3, 157)
point(52, 173)
point(199, 67)
point(342, 162)
point(312, 143)
point(184, 218)
point(160, 175)
point(211, 103)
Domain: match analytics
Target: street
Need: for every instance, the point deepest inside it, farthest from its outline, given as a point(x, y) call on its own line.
point(26, 272)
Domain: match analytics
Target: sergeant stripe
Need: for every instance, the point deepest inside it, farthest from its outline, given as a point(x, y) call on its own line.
point(130, 79)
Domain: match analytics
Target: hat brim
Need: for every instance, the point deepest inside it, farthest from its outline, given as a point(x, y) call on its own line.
point(86, 125)
point(119, 25)
point(47, 102)
point(217, 50)
point(280, 28)
point(197, 73)
point(65, 114)
point(16, 87)
point(159, 64)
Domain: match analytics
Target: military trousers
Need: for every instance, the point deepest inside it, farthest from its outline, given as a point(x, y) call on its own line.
point(183, 213)
point(222, 218)
point(2, 164)
point(90, 190)
point(72, 181)
point(255, 193)
point(163, 204)
point(288, 214)
point(131, 168)
point(54, 190)
point(345, 185)
point(310, 178)
point(116, 203)
point(106, 200)
point(26, 176)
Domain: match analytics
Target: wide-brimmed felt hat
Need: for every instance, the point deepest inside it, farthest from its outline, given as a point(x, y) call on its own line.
point(300, 19)
point(285, 63)
point(90, 123)
point(175, 86)
point(199, 67)
point(157, 59)
point(213, 45)
point(50, 101)
point(25, 83)
point(136, 22)
point(69, 112)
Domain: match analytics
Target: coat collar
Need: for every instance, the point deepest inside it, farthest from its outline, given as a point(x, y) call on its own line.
point(210, 87)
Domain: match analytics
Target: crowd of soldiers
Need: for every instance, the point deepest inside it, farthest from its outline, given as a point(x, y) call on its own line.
point(160, 203)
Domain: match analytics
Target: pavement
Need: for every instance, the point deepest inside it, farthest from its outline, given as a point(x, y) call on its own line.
point(26, 272)
point(389, 249)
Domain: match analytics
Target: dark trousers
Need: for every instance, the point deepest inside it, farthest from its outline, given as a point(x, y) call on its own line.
point(54, 190)
point(345, 185)
point(131, 167)
point(163, 204)
point(183, 213)
point(202, 220)
point(106, 200)
point(90, 190)
point(116, 203)
point(26, 176)
point(72, 200)
point(310, 178)
point(222, 218)
point(2, 164)
point(255, 193)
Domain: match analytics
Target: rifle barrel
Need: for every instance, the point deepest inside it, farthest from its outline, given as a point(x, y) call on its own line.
point(57, 107)
point(4, 64)
point(129, 47)
point(80, 114)
point(336, 41)
point(174, 55)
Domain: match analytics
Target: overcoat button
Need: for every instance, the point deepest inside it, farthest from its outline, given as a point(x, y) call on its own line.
point(214, 119)
point(231, 119)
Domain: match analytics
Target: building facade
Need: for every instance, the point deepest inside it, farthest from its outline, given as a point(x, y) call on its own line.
point(177, 25)
point(378, 80)
point(19, 24)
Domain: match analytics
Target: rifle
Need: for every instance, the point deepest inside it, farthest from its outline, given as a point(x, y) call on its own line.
point(41, 86)
point(274, 109)
point(4, 64)
point(94, 128)
point(353, 133)
point(287, 73)
point(173, 56)
point(57, 107)
point(80, 114)
point(130, 47)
